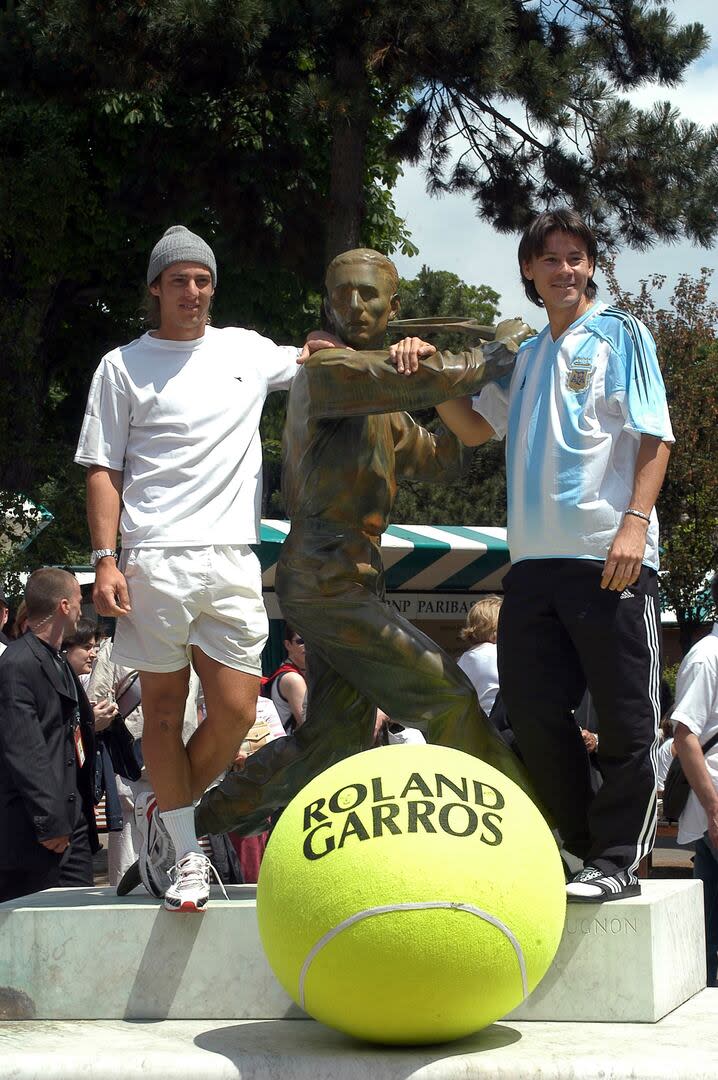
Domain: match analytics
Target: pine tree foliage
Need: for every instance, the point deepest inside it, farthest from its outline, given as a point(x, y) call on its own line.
point(521, 103)
point(540, 119)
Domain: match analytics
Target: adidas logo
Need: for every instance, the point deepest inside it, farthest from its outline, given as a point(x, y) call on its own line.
point(626, 595)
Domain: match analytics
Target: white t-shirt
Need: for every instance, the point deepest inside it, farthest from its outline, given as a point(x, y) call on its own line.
point(696, 706)
point(480, 665)
point(180, 419)
point(573, 412)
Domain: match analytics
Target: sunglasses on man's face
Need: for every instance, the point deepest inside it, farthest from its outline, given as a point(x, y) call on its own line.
point(298, 641)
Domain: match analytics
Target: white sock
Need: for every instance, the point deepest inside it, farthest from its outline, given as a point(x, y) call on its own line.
point(180, 825)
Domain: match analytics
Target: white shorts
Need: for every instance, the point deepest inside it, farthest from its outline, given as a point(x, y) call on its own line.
point(210, 597)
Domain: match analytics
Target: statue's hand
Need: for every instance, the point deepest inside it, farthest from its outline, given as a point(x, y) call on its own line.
point(406, 354)
point(500, 354)
point(513, 330)
point(317, 340)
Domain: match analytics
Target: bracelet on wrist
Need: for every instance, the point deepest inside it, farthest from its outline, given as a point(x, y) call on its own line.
point(637, 513)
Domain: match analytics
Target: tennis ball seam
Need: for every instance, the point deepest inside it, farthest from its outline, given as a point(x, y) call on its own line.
point(423, 905)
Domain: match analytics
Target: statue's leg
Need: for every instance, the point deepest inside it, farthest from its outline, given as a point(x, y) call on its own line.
point(340, 722)
point(404, 672)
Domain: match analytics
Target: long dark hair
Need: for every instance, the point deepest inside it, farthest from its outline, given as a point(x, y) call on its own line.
point(533, 243)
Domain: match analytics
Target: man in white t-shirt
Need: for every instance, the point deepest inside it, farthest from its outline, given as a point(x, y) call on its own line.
point(695, 721)
point(171, 442)
point(587, 444)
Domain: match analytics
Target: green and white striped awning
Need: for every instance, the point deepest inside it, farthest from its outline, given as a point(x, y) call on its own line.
point(419, 558)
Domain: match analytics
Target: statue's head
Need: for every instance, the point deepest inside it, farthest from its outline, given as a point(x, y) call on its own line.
point(361, 297)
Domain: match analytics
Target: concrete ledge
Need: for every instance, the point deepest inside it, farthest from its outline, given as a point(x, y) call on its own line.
point(682, 1046)
point(629, 960)
point(70, 954)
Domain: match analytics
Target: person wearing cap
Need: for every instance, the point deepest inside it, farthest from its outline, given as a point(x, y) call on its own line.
point(171, 442)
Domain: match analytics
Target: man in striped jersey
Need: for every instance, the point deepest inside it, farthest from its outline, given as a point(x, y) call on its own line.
point(587, 444)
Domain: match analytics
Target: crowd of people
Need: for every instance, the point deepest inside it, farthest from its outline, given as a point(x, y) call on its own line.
point(113, 693)
point(117, 776)
point(170, 441)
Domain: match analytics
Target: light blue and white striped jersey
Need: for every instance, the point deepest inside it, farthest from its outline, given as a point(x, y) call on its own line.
point(573, 412)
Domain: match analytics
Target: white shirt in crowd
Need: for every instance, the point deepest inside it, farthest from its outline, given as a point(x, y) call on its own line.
point(696, 706)
point(180, 419)
point(480, 665)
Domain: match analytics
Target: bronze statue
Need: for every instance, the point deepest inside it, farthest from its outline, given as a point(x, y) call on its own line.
point(345, 445)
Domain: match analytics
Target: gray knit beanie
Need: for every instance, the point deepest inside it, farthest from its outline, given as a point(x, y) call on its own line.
point(178, 244)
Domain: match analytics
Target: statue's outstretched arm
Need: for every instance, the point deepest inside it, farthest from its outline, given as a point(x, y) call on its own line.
point(341, 382)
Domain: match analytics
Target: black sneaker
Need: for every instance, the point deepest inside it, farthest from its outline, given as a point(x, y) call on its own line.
point(594, 886)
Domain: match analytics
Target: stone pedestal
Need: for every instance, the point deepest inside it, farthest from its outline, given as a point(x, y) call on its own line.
point(85, 954)
point(629, 960)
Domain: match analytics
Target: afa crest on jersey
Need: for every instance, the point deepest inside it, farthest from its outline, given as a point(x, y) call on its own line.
point(580, 374)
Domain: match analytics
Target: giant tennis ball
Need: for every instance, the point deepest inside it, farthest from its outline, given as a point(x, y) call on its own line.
point(410, 894)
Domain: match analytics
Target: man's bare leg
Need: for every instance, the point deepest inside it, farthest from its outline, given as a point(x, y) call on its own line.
point(231, 700)
point(164, 696)
point(180, 774)
point(166, 819)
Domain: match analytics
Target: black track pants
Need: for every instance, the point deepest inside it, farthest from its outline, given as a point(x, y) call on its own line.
point(559, 633)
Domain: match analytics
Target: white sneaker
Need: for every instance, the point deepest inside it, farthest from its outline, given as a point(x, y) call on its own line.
point(190, 878)
point(157, 853)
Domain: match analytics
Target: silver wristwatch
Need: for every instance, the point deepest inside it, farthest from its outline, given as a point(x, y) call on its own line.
point(101, 553)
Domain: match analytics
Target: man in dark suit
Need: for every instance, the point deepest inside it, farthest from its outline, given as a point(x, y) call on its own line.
point(47, 749)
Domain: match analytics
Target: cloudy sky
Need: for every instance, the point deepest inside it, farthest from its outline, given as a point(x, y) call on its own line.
point(450, 236)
